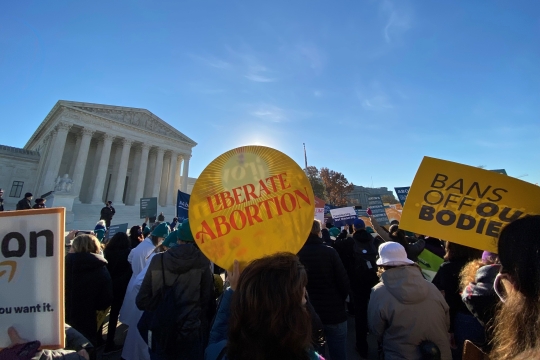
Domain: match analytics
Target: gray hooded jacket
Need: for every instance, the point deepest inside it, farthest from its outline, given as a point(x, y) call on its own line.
point(404, 310)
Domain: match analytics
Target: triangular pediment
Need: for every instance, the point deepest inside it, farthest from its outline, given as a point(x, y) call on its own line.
point(139, 118)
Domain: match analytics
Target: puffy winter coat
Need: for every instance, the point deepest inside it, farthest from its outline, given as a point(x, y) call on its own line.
point(328, 284)
point(194, 295)
point(88, 289)
point(404, 310)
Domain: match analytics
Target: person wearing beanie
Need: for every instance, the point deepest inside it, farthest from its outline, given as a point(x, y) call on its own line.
point(171, 240)
point(26, 202)
point(355, 253)
point(155, 223)
point(161, 217)
point(146, 231)
point(39, 204)
point(187, 270)
point(405, 310)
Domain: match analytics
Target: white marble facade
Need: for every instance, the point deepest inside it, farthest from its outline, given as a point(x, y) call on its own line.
point(110, 153)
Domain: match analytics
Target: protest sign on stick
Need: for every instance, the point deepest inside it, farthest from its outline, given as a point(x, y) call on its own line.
point(402, 193)
point(377, 210)
point(32, 275)
point(116, 228)
point(319, 209)
point(148, 207)
point(465, 204)
point(182, 206)
point(343, 216)
point(250, 202)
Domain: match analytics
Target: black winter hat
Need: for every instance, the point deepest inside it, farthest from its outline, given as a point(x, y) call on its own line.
point(161, 217)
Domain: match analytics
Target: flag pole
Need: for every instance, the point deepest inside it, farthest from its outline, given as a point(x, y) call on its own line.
point(305, 154)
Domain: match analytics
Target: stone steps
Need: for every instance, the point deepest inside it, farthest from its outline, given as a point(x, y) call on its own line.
point(85, 216)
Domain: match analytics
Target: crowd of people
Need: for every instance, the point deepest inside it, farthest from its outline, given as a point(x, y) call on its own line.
point(177, 305)
point(25, 203)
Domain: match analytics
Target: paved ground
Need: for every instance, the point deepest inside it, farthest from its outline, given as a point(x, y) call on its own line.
point(351, 352)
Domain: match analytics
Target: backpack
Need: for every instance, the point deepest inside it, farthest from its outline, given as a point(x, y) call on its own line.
point(365, 263)
point(160, 325)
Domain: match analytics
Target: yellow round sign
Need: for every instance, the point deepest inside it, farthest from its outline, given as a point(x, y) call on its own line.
point(250, 202)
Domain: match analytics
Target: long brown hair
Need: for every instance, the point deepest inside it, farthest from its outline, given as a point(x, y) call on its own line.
point(268, 320)
point(517, 325)
point(468, 273)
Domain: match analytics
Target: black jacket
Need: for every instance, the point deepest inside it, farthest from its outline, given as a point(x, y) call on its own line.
point(106, 213)
point(345, 249)
point(24, 204)
point(447, 280)
point(1, 203)
point(328, 285)
point(195, 294)
point(120, 270)
point(88, 289)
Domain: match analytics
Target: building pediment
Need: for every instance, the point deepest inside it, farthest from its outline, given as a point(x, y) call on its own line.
point(139, 118)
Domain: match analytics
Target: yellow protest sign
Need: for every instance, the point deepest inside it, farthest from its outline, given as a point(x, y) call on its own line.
point(465, 204)
point(250, 202)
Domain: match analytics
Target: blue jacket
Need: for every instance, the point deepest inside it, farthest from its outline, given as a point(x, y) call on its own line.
point(218, 335)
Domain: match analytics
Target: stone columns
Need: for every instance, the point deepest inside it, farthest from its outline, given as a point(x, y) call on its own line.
point(55, 155)
point(177, 175)
point(101, 176)
point(122, 170)
point(185, 173)
point(80, 162)
point(141, 176)
point(157, 172)
point(171, 197)
point(76, 152)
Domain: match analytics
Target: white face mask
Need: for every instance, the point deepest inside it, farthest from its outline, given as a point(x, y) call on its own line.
point(497, 286)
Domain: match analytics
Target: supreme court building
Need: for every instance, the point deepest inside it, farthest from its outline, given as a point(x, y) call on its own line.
point(96, 153)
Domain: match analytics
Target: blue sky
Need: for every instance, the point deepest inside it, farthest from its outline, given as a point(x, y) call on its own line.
point(370, 86)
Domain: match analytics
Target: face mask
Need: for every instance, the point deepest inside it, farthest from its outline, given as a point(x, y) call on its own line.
point(498, 286)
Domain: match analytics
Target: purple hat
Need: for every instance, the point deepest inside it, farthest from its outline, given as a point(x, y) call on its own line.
point(489, 257)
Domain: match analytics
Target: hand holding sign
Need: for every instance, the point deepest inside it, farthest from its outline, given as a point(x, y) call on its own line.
point(251, 202)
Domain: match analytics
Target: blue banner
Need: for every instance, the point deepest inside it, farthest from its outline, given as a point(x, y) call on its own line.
point(182, 206)
point(402, 193)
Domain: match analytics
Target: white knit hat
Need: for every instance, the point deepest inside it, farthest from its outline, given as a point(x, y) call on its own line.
point(393, 254)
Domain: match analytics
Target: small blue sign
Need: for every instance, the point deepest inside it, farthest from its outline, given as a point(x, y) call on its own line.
point(402, 193)
point(182, 206)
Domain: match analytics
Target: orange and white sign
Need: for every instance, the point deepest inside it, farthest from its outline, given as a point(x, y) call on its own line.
point(250, 202)
point(32, 275)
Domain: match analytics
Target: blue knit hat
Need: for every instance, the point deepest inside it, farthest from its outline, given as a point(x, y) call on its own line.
point(162, 230)
point(170, 241)
point(359, 224)
point(184, 233)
